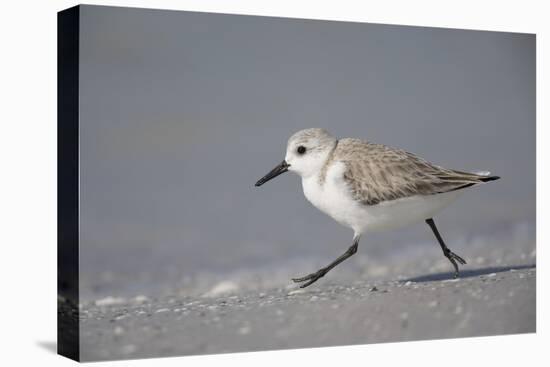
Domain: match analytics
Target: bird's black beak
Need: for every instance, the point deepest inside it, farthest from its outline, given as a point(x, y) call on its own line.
point(281, 168)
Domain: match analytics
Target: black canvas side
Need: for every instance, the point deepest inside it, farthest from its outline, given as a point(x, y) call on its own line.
point(68, 340)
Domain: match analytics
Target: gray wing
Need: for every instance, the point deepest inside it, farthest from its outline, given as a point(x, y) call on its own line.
point(377, 173)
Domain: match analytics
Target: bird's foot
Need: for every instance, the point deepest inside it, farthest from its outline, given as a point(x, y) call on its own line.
point(456, 257)
point(310, 278)
point(453, 258)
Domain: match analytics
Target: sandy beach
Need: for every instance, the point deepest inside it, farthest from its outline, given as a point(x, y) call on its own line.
point(409, 299)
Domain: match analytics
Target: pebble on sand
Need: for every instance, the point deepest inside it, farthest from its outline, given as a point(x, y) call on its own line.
point(244, 330)
point(109, 301)
point(296, 291)
point(223, 287)
point(140, 299)
point(454, 280)
point(404, 317)
point(129, 349)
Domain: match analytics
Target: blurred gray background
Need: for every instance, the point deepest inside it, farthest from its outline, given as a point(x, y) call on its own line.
point(182, 112)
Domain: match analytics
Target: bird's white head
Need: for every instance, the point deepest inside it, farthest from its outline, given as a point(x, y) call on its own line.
point(306, 153)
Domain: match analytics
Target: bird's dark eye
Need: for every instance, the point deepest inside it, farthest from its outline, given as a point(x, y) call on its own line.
point(301, 149)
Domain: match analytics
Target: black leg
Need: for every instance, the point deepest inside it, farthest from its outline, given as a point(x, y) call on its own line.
point(313, 277)
point(453, 258)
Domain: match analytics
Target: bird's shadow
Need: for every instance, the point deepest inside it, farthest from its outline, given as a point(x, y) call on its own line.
point(50, 346)
point(467, 273)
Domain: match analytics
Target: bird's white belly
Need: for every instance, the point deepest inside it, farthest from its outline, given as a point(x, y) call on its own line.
point(334, 199)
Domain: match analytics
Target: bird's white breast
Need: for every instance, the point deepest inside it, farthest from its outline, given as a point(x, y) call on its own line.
point(334, 198)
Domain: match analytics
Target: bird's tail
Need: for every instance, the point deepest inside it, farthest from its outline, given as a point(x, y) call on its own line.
point(489, 178)
point(485, 176)
point(462, 179)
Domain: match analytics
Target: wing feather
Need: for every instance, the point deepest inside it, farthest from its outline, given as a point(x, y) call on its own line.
point(377, 173)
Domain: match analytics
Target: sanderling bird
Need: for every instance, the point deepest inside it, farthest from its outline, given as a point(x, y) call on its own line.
point(368, 186)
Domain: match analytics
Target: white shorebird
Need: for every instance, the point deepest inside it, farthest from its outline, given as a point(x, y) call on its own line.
point(368, 186)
